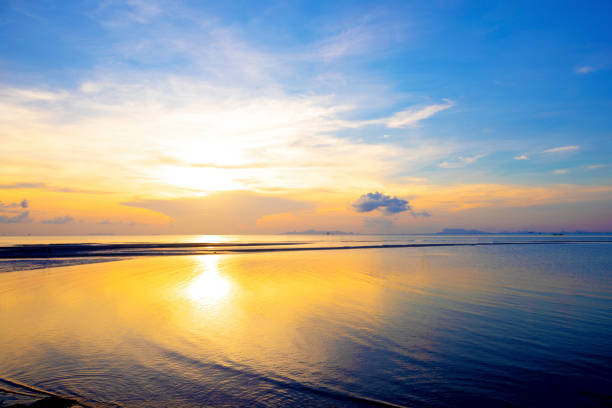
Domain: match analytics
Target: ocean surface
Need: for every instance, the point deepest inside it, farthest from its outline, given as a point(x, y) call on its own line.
point(323, 321)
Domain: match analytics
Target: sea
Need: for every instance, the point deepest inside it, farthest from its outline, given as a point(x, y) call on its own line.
point(307, 320)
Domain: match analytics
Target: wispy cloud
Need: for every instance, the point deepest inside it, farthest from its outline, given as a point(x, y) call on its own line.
point(562, 149)
point(21, 218)
point(221, 136)
point(596, 166)
point(585, 69)
point(234, 121)
point(521, 157)
point(113, 13)
point(32, 95)
point(58, 220)
point(413, 116)
point(461, 161)
point(362, 35)
point(23, 204)
point(173, 161)
point(118, 223)
point(15, 186)
point(45, 186)
point(353, 41)
point(402, 119)
point(560, 171)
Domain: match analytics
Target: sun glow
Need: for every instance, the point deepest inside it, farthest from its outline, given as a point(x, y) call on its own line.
point(207, 179)
point(209, 287)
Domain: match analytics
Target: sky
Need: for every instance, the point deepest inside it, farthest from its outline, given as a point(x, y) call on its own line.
point(181, 117)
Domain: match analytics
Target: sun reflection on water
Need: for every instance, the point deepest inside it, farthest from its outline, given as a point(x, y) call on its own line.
point(209, 287)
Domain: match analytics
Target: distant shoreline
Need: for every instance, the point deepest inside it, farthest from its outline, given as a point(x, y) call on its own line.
point(446, 231)
point(55, 251)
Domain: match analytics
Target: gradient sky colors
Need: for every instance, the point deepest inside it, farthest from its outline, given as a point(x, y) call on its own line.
point(138, 116)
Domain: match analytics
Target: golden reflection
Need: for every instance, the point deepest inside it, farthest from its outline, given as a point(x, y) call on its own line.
point(269, 309)
point(209, 287)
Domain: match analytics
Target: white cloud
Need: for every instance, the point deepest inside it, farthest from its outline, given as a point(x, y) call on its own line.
point(562, 149)
point(113, 13)
point(461, 161)
point(521, 157)
point(411, 116)
point(30, 95)
point(218, 135)
point(353, 41)
point(585, 69)
point(596, 166)
point(229, 111)
point(407, 117)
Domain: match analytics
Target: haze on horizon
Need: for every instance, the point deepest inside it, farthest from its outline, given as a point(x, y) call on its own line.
point(142, 117)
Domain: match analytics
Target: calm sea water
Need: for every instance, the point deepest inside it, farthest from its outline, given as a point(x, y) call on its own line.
point(503, 325)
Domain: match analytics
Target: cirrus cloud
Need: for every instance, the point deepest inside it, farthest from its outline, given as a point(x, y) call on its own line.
point(58, 220)
point(563, 149)
point(411, 116)
point(461, 161)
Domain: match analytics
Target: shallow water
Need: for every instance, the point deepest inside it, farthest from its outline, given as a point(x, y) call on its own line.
point(525, 325)
point(18, 253)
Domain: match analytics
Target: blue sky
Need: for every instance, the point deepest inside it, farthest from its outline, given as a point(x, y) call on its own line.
point(442, 94)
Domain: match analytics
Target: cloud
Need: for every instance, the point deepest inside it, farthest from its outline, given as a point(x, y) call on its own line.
point(58, 220)
point(173, 161)
point(461, 161)
point(45, 186)
point(405, 118)
point(23, 204)
point(21, 218)
point(378, 201)
point(118, 223)
point(267, 138)
point(417, 214)
point(32, 95)
point(521, 157)
point(22, 185)
point(77, 190)
point(353, 41)
point(585, 69)
point(411, 116)
point(241, 116)
point(596, 166)
point(560, 171)
point(562, 149)
point(114, 13)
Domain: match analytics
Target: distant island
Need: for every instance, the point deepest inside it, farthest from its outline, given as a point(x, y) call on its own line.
point(317, 232)
point(461, 231)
